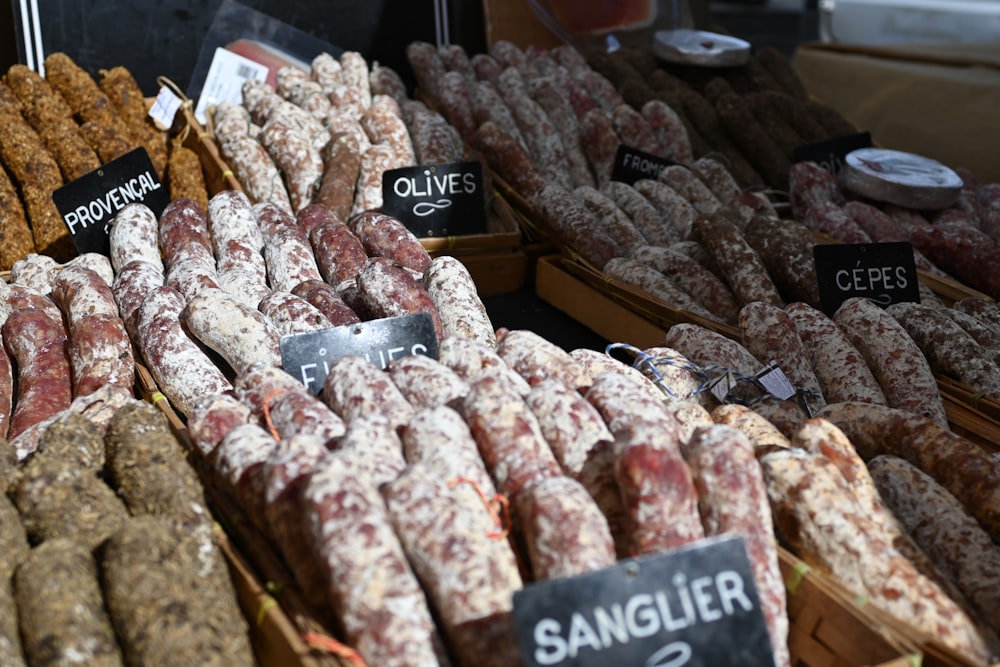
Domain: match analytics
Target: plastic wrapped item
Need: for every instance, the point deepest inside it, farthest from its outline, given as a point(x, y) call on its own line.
point(665, 26)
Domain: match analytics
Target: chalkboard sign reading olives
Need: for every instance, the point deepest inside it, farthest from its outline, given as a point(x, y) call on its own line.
point(437, 199)
point(695, 606)
point(89, 204)
point(881, 272)
point(308, 356)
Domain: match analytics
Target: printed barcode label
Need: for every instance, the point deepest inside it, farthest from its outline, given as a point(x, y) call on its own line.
point(245, 72)
point(225, 80)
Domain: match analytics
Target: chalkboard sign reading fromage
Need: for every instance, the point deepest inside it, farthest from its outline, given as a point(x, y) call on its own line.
point(89, 204)
point(436, 199)
point(308, 356)
point(693, 607)
point(632, 164)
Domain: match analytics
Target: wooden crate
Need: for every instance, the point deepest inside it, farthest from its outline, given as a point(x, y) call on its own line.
point(828, 630)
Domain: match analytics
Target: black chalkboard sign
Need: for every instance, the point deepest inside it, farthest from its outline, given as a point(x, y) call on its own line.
point(89, 204)
point(436, 199)
point(830, 154)
point(881, 272)
point(308, 356)
point(632, 164)
point(696, 606)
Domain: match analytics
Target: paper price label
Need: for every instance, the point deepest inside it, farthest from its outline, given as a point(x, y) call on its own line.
point(224, 82)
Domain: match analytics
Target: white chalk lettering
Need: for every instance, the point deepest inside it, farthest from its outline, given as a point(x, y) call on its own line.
point(113, 200)
point(681, 605)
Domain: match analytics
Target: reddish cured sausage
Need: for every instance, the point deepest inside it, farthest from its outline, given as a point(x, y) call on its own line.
point(732, 498)
point(355, 388)
point(895, 359)
point(388, 290)
point(339, 253)
point(469, 574)
point(183, 232)
point(509, 437)
point(366, 569)
point(183, 372)
point(538, 359)
point(100, 350)
point(382, 235)
point(327, 300)
point(37, 343)
point(564, 530)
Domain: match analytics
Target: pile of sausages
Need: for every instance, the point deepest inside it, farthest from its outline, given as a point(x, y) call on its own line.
point(58, 128)
point(327, 135)
point(437, 488)
point(960, 241)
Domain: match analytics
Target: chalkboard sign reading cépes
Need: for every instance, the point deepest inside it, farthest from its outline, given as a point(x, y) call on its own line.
point(89, 204)
point(437, 199)
point(309, 356)
point(696, 606)
point(884, 273)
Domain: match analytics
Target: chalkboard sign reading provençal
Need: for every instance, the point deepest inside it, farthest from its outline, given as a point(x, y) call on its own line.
point(89, 204)
point(696, 606)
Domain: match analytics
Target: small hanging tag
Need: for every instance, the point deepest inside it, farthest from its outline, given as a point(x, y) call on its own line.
point(165, 108)
point(722, 386)
point(775, 382)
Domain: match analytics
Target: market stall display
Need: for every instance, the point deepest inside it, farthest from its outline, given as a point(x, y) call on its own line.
point(400, 502)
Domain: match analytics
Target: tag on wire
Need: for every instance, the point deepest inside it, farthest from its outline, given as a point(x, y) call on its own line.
point(722, 386)
point(165, 108)
point(775, 382)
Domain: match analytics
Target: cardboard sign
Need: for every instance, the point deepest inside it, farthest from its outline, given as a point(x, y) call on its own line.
point(437, 199)
point(89, 204)
point(696, 606)
point(308, 356)
point(881, 272)
point(830, 154)
point(632, 164)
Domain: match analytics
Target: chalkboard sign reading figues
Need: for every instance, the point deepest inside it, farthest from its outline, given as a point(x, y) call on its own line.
point(436, 199)
point(881, 272)
point(691, 607)
point(308, 356)
point(89, 204)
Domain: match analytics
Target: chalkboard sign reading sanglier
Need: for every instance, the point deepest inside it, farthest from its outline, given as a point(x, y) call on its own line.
point(437, 199)
point(881, 272)
point(308, 356)
point(89, 204)
point(695, 606)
